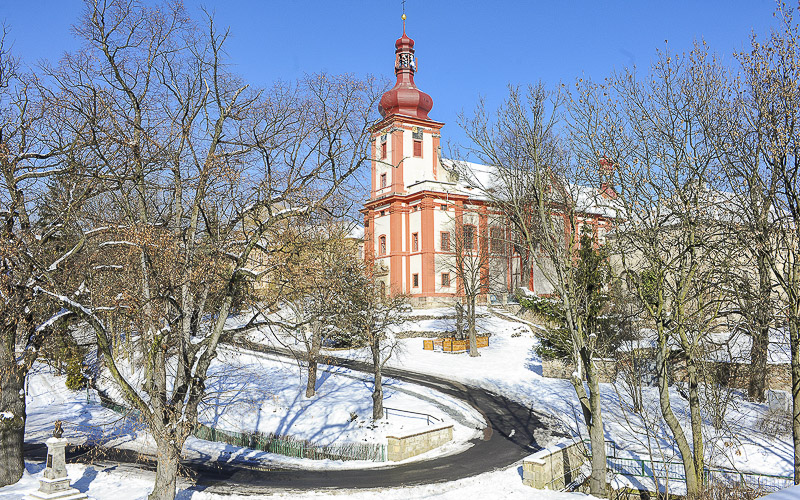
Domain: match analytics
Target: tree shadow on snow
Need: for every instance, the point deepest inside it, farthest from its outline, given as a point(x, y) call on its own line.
point(534, 362)
point(89, 474)
point(189, 492)
point(34, 468)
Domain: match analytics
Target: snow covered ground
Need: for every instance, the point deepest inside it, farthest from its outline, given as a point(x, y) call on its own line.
point(259, 392)
point(256, 392)
point(510, 366)
point(107, 483)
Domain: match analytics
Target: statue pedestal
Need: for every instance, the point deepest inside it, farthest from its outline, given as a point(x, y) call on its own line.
point(55, 483)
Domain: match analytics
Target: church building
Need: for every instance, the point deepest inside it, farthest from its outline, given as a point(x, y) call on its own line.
point(420, 209)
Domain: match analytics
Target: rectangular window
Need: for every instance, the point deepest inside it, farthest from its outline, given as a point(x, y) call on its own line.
point(383, 151)
point(415, 242)
point(445, 279)
point(444, 207)
point(382, 248)
point(469, 237)
point(445, 243)
point(415, 280)
point(383, 181)
point(498, 244)
point(418, 149)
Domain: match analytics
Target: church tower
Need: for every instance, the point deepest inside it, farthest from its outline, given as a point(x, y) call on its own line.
point(398, 218)
point(406, 141)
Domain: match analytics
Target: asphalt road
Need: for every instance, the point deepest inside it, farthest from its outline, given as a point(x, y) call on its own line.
point(514, 431)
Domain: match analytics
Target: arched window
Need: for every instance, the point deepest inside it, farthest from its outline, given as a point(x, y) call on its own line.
point(382, 246)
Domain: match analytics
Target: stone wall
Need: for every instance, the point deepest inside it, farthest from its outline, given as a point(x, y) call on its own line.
point(431, 302)
point(736, 375)
point(400, 448)
point(555, 467)
point(556, 368)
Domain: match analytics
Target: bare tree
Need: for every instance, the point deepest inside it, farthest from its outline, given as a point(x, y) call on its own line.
point(205, 169)
point(38, 140)
point(370, 314)
point(536, 188)
point(772, 71)
point(749, 214)
point(318, 276)
point(470, 263)
point(661, 138)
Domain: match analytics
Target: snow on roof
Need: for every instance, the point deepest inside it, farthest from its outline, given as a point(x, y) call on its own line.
point(480, 179)
point(356, 232)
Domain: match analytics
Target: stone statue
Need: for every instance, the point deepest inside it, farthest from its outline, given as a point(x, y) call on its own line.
point(58, 431)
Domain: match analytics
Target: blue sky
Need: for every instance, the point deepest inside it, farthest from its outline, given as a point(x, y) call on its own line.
point(465, 49)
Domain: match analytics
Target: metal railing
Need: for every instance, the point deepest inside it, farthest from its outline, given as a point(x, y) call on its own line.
point(426, 415)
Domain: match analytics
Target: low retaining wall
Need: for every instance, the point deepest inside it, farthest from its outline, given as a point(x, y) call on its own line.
point(555, 368)
point(555, 467)
point(400, 448)
point(737, 374)
point(453, 345)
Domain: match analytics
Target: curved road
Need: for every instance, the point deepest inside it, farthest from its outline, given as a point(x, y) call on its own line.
point(514, 432)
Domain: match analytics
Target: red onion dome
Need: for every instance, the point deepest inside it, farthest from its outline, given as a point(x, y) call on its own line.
point(405, 98)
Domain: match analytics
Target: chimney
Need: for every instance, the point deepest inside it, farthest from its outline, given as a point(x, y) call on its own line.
point(606, 170)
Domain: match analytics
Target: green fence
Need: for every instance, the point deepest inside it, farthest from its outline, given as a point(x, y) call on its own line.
point(282, 445)
point(293, 447)
point(673, 470)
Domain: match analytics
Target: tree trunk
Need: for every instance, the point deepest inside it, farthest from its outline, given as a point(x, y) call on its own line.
point(794, 344)
point(377, 392)
point(311, 385)
point(459, 321)
point(166, 472)
point(597, 481)
point(12, 425)
point(760, 334)
point(696, 420)
point(473, 342)
point(756, 384)
point(662, 368)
